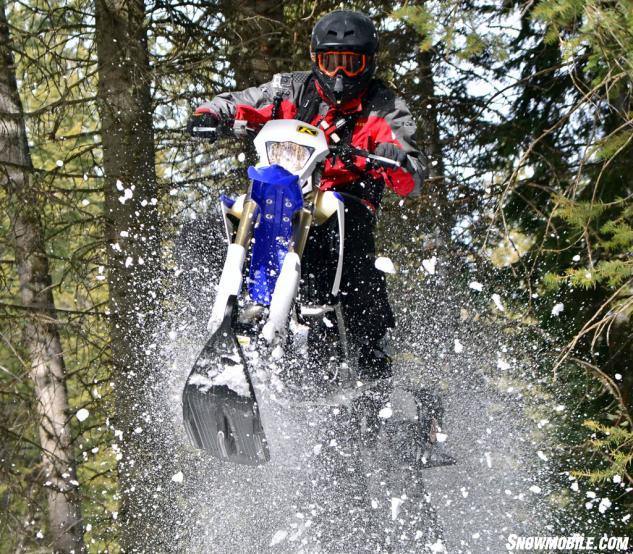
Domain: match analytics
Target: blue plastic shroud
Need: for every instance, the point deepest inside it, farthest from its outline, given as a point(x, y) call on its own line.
point(278, 195)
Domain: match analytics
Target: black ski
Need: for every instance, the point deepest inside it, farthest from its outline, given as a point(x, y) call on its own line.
point(218, 419)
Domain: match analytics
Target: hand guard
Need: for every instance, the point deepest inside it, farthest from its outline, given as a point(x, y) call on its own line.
point(203, 119)
point(391, 151)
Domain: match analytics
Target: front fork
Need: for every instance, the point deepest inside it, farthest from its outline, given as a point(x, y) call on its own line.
point(287, 283)
point(232, 272)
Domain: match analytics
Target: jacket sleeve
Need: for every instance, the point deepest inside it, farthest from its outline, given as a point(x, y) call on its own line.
point(400, 130)
point(247, 108)
point(236, 109)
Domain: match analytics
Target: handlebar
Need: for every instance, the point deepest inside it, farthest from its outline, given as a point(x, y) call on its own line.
point(380, 161)
point(343, 150)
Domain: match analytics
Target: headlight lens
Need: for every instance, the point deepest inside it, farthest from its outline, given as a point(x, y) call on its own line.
point(289, 155)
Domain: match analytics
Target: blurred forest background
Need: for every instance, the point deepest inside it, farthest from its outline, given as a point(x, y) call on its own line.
point(524, 108)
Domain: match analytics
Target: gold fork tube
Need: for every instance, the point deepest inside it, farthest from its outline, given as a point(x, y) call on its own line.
point(247, 221)
point(302, 229)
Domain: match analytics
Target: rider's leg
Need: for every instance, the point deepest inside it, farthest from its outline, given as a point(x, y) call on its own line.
point(363, 290)
point(368, 315)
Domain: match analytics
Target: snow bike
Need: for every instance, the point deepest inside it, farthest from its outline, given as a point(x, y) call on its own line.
point(271, 323)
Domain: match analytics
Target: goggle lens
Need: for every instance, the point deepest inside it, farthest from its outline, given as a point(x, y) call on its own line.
point(350, 63)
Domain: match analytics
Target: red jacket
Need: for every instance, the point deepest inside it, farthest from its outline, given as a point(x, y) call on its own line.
point(382, 117)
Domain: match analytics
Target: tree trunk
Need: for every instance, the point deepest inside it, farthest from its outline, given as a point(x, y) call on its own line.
point(133, 245)
point(41, 335)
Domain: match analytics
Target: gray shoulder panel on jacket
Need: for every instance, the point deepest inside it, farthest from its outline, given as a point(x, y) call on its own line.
point(394, 110)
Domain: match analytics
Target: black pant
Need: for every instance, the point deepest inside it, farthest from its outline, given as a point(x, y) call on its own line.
point(363, 291)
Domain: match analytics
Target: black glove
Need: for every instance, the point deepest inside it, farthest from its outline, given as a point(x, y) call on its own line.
point(391, 151)
point(200, 119)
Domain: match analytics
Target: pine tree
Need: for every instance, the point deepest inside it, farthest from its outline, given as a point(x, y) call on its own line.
point(41, 336)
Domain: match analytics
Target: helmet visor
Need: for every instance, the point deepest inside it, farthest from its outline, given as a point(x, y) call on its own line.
point(350, 63)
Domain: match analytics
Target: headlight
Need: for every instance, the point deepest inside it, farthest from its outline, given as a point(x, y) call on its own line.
point(289, 155)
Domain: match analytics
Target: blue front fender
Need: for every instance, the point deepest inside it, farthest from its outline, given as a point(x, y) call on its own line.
point(278, 195)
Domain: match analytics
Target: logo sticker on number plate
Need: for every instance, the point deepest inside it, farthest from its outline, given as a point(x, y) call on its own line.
point(307, 130)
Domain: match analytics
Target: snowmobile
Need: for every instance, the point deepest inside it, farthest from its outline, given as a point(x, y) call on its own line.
point(260, 317)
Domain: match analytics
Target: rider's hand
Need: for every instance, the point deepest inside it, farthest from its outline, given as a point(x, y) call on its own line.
point(203, 118)
point(391, 151)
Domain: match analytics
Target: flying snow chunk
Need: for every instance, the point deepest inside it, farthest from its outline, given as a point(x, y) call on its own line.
point(278, 537)
point(438, 547)
point(458, 346)
point(476, 286)
point(576, 258)
point(441, 437)
point(617, 479)
point(82, 414)
point(241, 157)
point(395, 507)
point(604, 505)
point(384, 264)
point(488, 459)
point(39, 535)
point(502, 364)
point(535, 489)
point(429, 265)
point(541, 455)
point(178, 477)
point(119, 185)
point(59, 163)
point(127, 194)
point(618, 377)
point(385, 413)
point(558, 309)
point(277, 352)
point(497, 300)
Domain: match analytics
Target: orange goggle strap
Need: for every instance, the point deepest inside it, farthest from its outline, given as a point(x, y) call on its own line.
point(349, 71)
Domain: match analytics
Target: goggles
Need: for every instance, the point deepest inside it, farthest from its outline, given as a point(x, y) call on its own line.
point(350, 63)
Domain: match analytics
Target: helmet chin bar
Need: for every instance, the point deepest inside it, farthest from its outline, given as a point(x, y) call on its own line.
point(338, 88)
point(341, 88)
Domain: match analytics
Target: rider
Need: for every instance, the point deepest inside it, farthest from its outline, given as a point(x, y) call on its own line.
point(342, 96)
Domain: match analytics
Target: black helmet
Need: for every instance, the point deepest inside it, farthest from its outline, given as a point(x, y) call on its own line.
point(343, 48)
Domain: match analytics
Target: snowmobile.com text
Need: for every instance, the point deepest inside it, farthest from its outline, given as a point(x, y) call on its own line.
point(604, 543)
